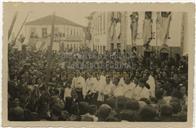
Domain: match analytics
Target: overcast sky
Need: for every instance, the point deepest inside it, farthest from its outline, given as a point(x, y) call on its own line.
point(68, 11)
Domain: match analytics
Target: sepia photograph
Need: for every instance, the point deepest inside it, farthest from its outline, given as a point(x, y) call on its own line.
point(108, 63)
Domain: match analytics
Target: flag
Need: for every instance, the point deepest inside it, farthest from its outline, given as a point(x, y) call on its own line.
point(21, 28)
point(42, 45)
point(12, 25)
point(147, 29)
point(134, 25)
point(163, 25)
point(118, 25)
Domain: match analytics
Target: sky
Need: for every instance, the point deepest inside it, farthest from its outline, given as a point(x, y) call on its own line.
point(68, 11)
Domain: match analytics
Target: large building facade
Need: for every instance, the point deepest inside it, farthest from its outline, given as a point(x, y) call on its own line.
point(108, 30)
point(67, 34)
point(161, 31)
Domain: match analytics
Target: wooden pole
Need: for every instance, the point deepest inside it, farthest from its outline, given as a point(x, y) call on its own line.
point(49, 58)
point(12, 25)
point(21, 28)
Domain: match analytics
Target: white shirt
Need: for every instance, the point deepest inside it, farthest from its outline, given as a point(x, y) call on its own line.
point(151, 82)
point(80, 83)
point(74, 81)
point(108, 89)
point(136, 92)
point(121, 82)
point(67, 92)
point(129, 90)
point(92, 84)
point(100, 88)
point(119, 91)
point(103, 79)
point(145, 93)
point(85, 88)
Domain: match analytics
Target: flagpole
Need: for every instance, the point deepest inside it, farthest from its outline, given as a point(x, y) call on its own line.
point(49, 59)
point(156, 33)
point(21, 28)
point(12, 25)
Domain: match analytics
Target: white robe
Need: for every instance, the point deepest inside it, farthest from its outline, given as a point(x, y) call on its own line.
point(93, 85)
point(74, 81)
point(129, 90)
point(121, 82)
point(100, 87)
point(145, 93)
point(136, 92)
point(151, 82)
point(67, 92)
point(86, 87)
point(80, 82)
point(108, 89)
point(119, 91)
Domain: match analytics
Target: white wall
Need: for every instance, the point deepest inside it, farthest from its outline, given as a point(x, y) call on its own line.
point(176, 30)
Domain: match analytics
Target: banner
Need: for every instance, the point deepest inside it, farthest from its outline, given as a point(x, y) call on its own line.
point(163, 24)
point(134, 25)
point(12, 25)
point(147, 30)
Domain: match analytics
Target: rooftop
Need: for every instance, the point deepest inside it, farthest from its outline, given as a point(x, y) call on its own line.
point(47, 20)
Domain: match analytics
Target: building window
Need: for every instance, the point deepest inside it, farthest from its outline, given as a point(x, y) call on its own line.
point(112, 46)
point(32, 32)
point(118, 46)
point(67, 31)
point(56, 30)
point(44, 32)
point(100, 24)
point(71, 32)
point(103, 48)
point(148, 15)
point(104, 20)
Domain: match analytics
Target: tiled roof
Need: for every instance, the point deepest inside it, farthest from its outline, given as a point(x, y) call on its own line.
point(47, 20)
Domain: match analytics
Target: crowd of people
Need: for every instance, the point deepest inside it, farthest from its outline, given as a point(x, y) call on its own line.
point(87, 86)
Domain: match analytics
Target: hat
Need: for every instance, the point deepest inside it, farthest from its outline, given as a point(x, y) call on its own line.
point(175, 103)
point(128, 115)
point(83, 108)
point(121, 102)
point(147, 113)
point(132, 104)
point(92, 109)
point(103, 112)
point(166, 110)
point(111, 101)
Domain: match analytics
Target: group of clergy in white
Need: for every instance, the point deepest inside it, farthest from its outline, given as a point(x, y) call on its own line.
point(106, 86)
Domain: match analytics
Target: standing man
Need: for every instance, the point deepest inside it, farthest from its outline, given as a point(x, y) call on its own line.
point(119, 89)
point(92, 91)
point(151, 83)
point(108, 88)
point(101, 82)
point(77, 84)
